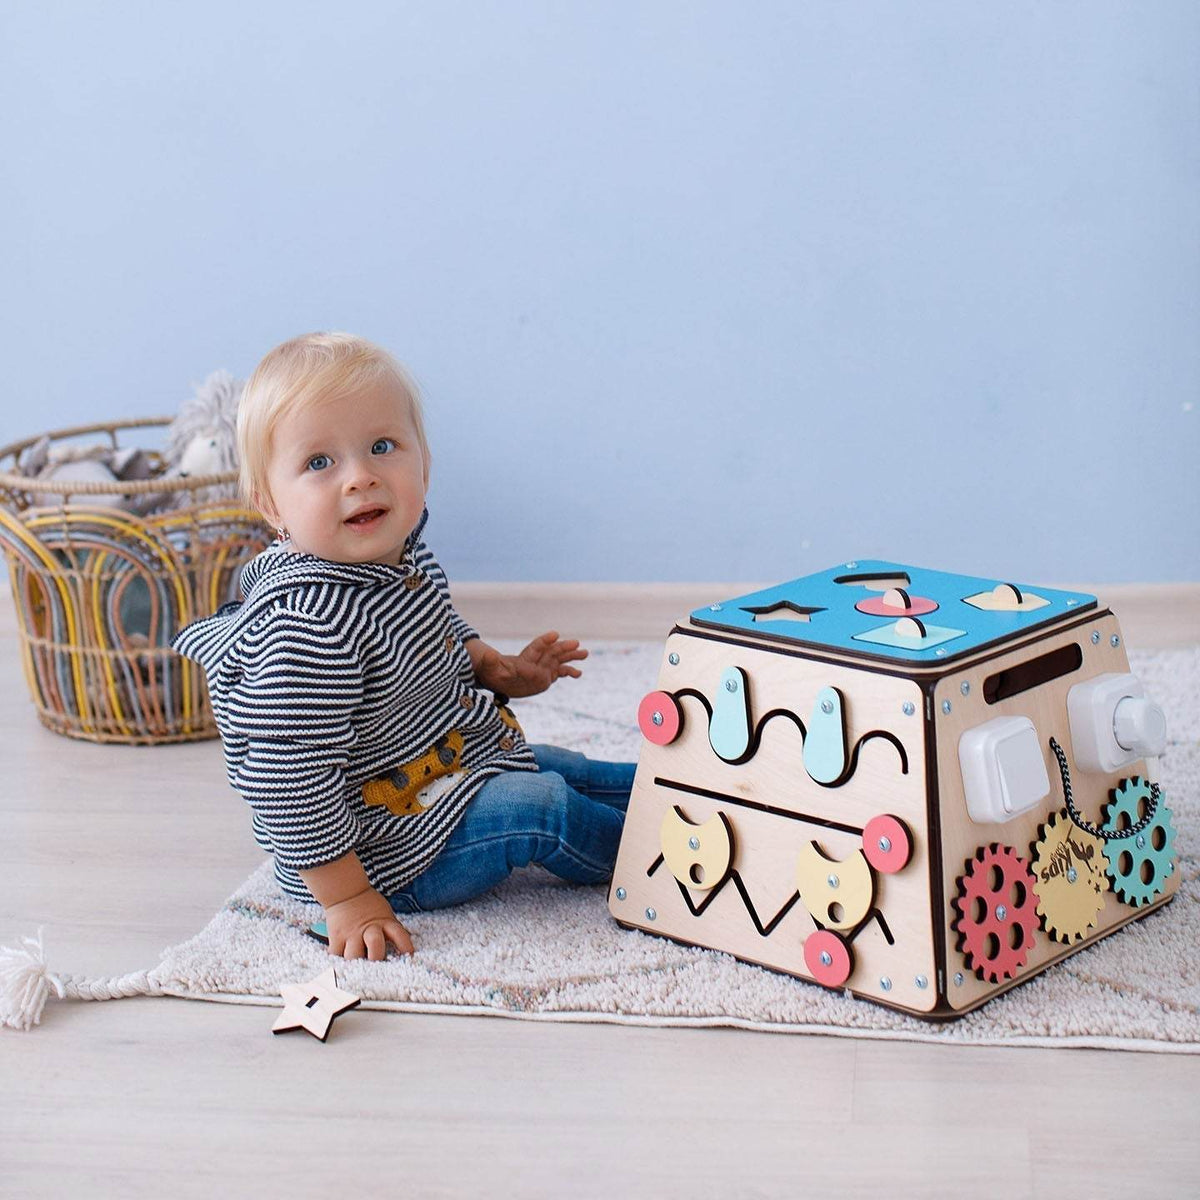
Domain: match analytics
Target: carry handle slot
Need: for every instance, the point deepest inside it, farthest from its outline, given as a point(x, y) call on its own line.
point(1033, 672)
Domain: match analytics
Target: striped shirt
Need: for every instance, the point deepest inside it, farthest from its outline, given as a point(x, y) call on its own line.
point(339, 690)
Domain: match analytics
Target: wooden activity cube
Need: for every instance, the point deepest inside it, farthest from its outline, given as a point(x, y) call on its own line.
point(864, 778)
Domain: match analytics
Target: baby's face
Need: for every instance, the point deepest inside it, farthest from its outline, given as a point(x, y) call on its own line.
point(335, 460)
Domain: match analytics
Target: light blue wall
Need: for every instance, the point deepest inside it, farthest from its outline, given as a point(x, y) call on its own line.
point(696, 290)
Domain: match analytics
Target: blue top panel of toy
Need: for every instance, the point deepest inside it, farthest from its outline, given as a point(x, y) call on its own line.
point(893, 612)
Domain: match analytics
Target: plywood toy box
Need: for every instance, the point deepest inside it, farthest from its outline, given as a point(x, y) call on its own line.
point(920, 787)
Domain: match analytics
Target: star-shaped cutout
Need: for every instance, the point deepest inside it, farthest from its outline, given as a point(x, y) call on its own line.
point(785, 610)
point(313, 1005)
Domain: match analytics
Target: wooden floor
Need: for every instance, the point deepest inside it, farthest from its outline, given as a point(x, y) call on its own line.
point(119, 852)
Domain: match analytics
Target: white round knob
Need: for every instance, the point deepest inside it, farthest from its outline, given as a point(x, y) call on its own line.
point(1141, 726)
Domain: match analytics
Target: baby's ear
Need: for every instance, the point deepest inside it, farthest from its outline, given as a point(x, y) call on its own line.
point(263, 506)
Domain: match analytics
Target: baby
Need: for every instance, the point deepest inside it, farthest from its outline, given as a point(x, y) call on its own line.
point(363, 720)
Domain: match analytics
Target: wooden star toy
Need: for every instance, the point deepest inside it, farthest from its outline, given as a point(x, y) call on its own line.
point(313, 1005)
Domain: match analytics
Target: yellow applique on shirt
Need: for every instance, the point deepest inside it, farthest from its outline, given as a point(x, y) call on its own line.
point(506, 715)
point(399, 788)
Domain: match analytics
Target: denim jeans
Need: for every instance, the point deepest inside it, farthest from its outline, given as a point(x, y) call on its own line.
point(567, 816)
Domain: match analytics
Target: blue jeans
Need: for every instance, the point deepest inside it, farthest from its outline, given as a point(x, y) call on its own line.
point(567, 816)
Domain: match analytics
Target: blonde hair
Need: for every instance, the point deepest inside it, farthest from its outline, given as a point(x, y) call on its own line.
point(302, 371)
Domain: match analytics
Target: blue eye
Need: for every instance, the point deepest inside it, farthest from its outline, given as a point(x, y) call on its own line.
point(386, 443)
point(319, 462)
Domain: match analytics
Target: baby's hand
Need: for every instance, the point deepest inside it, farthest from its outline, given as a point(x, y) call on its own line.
point(533, 670)
point(361, 927)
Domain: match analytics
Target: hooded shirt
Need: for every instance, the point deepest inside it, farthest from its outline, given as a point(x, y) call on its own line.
point(349, 712)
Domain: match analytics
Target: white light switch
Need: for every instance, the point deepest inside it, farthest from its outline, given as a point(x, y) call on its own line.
point(1003, 769)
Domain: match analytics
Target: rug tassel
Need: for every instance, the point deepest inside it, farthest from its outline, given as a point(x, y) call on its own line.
point(26, 985)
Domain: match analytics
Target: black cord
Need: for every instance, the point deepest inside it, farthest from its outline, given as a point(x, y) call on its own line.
point(1087, 826)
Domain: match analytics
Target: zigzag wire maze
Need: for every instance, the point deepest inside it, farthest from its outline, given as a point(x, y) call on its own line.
point(752, 749)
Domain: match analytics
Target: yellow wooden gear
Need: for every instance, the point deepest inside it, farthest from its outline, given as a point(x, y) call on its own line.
point(1070, 871)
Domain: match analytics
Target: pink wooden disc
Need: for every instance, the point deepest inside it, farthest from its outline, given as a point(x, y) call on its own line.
point(822, 945)
point(886, 844)
point(659, 718)
point(874, 606)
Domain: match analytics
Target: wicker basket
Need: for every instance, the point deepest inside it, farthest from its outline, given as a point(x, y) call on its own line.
point(100, 593)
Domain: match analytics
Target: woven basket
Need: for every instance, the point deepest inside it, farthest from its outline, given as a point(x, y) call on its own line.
point(100, 593)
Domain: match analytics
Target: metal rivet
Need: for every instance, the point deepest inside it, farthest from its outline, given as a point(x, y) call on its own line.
point(620, 893)
point(827, 706)
point(833, 881)
point(1095, 637)
point(714, 608)
point(965, 688)
point(826, 958)
point(852, 565)
point(650, 914)
point(958, 978)
point(885, 983)
point(908, 708)
point(694, 842)
point(656, 717)
point(922, 982)
point(885, 844)
point(1114, 641)
point(1072, 602)
point(731, 685)
point(1001, 912)
point(673, 659)
point(946, 707)
point(1140, 841)
point(940, 652)
point(1072, 874)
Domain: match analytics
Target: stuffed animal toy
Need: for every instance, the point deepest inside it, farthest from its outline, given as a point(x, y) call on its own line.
point(202, 440)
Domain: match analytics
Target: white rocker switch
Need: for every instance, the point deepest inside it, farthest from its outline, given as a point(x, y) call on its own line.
point(1003, 769)
point(1113, 724)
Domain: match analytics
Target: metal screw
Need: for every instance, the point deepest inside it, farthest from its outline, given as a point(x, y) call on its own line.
point(1072, 602)
point(694, 842)
point(939, 652)
point(1114, 641)
point(958, 978)
point(1095, 637)
point(908, 708)
point(946, 707)
point(714, 608)
point(832, 881)
point(731, 685)
point(965, 688)
point(620, 893)
point(656, 717)
point(1072, 874)
point(852, 565)
point(827, 706)
point(885, 844)
point(1001, 912)
point(673, 659)
point(826, 958)
point(885, 983)
point(650, 914)
point(922, 982)
point(1140, 841)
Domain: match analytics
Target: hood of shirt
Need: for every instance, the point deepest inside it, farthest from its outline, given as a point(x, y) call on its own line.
point(274, 572)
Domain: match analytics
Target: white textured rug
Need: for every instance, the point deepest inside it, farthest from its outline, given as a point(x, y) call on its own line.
point(539, 949)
